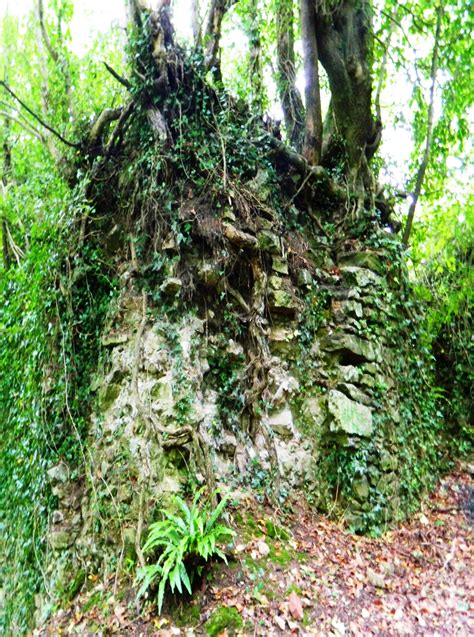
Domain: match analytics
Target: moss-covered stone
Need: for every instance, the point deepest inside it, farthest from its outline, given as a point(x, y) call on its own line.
point(361, 488)
point(75, 585)
point(107, 395)
point(370, 260)
point(341, 341)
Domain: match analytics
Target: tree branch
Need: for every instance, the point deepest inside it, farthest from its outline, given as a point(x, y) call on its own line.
point(429, 133)
point(38, 118)
point(118, 77)
point(46, 39)
point(213, 33)
point(106, 116)
point(299, 163)
point(382, 72)
point(118, 130)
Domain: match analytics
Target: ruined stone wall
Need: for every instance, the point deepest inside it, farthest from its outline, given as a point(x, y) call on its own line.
point(173, 396)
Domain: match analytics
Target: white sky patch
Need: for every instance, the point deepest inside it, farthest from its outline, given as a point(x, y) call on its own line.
point(90, 17)
point(97, 16)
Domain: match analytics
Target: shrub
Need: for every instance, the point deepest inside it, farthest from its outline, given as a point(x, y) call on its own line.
point(186, 541)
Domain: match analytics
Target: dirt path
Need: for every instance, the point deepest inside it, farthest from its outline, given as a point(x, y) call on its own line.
point(321, 581)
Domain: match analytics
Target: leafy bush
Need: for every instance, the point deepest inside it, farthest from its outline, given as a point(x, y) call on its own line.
point(186, 541)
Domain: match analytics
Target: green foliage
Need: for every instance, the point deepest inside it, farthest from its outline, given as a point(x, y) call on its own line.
point(52, 307)
point(185, 540)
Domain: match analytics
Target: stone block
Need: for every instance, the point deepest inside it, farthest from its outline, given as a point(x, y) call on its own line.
point(368, 260)
point(279, 265)
point(354, 392)
point(304, 278)
point(349, 373)
point(349, 416)
point(61, 539)
point(361, 277)
point(171, 286)
point(281, 422)
point(340, 341)
point(360, 488)
point(269, 242)
point(209, 274)
point(59, 473)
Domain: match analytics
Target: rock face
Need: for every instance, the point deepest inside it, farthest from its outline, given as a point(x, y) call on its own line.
point(179, 400)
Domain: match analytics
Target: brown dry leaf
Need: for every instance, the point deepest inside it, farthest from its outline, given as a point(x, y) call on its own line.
point(120, 613)
point(376, 579)
point(280, 622)
point(295, 607)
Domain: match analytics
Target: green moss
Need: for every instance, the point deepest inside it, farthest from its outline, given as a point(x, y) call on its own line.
point(248, 526)
point(76, 585)
point(280, 555)
point(222, 618)
point(276, 532)
point(93, 600)
point(270, 593)
point(187, 615)
point(307, 619)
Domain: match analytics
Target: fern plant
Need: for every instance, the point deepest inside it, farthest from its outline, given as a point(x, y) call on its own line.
point(185, 541)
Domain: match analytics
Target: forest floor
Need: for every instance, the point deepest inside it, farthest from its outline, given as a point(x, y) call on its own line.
point(311, 577)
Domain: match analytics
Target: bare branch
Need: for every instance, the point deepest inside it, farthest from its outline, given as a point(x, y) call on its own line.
point(24, 125)
point(38, 118)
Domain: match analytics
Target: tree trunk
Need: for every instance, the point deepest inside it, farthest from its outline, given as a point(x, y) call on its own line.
point(7, 164)
point(196, 22)
point(292, 105)
point(344, 46)
point(313, 120)
point(58, 57)
point(255, 64)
